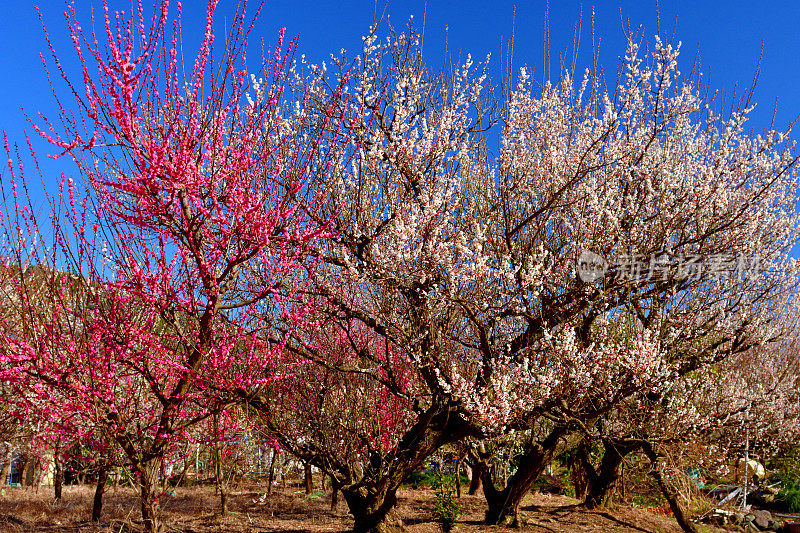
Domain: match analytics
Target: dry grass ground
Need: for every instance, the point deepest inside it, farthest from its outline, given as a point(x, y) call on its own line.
point(193, 510)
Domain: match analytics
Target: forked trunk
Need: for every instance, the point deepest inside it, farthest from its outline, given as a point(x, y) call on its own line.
point(373, 512)
point(601, 482)
point(503, 504)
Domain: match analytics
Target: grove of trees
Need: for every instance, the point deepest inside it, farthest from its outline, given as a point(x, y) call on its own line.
point(371, 261)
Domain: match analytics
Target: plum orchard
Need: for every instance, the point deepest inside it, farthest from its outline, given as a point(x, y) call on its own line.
point(313, 243)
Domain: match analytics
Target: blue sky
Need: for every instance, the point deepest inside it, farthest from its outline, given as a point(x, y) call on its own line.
point(728, 36)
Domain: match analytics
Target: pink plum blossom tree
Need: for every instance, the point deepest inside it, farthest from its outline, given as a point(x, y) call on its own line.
point(189, 182)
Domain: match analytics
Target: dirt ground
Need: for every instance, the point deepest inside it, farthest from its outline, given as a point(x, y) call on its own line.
point(193, 510)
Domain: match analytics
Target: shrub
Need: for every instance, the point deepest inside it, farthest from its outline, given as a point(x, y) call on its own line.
point(429, 478)
point(790, 496)
point(420, 479)
point(786, 471)
point(446, 509)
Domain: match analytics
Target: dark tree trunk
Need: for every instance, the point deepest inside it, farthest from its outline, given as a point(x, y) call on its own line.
point(477, 467)
point(475, 482)
point(307, 477)
point(372, 499)
point(97, 503)
point(3, 469)
point(458, 478)
point(668, 489)
point(373, 511)
point(22, 465)
point(334, 494)
point(579, 472)
point(477, 464)
point(58, 474)
point(503, 504)
point(601, 482)
point(223, 502)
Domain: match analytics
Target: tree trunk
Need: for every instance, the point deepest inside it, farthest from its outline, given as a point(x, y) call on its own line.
point(147, 495)
point(373, 511)
point(272, 471)
point(182, 477)
point(477, 468)
point(97, 504)
point(58, 474)
point(218, 476)
point(579, 473)
point(601, 482)
point(35, 475)
point(309, 481)
point(458, 478)
point(223, 502)
point(22, 465)
point(3, 468)
point(334, 493)
point(668, 490)
point(503, 504)
point(197, 465)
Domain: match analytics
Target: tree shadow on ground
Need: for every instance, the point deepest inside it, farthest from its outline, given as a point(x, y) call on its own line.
point(577, 510)
point(613, 518)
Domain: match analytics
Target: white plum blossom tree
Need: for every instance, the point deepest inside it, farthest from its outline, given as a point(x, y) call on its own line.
point(694, 217)
point(466, 264)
